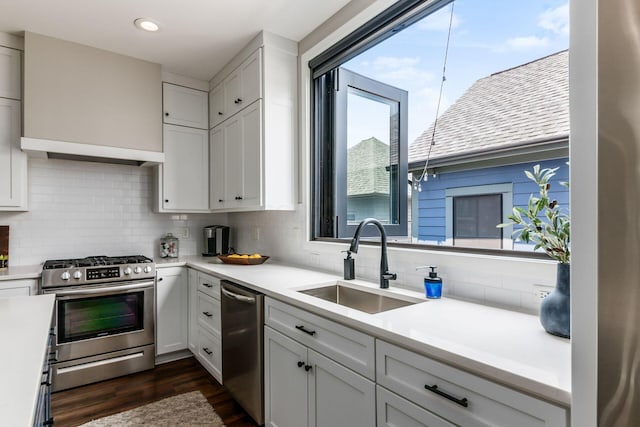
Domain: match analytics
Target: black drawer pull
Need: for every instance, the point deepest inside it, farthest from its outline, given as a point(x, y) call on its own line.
point(237, 101)
point(434, 388)
point(300, 364)
point(238, 197)
point(305, 330)
point(207, 285)
point(307, 367)
point(206, 313)
point(220, 113)
point(206, 350)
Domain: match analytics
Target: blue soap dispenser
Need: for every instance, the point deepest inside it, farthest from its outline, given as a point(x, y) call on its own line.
point(433, 283)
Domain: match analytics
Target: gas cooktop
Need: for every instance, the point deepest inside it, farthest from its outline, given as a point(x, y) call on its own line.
point(95, 261)
point(96, 270)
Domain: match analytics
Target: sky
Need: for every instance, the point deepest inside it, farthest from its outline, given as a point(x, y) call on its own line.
point(486, 37)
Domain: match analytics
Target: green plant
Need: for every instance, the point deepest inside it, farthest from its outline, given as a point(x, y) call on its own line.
point(542, 222)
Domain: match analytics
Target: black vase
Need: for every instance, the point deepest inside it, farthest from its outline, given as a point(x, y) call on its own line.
point(555, 314)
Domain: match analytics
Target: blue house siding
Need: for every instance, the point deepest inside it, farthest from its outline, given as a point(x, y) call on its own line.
point(431, 215)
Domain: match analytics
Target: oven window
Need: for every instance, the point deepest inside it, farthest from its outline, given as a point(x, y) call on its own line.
point(84, 318)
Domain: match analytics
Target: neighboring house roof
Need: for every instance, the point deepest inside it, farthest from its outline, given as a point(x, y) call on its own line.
point(367, 170)
point(517, 106)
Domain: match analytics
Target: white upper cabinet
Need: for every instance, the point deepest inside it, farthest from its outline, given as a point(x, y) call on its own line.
point(184, 106)
point(10, 60)
point(239, 89)
point(253, 115)
point(183, 179)
point(13, 162)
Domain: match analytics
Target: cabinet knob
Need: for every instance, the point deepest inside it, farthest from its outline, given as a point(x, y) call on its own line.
point(166, 114)
point(238, 197)
point(160, 279)
point(300, 364)
point(307, 367)
point(220, 200)
point(238, 101)
point(220, 113)
point(166, 200)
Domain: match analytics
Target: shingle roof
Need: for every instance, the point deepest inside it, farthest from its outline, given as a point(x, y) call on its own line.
point(367, 168)
point(525, 103)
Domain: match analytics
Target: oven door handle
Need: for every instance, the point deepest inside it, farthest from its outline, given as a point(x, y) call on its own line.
point(110, 289)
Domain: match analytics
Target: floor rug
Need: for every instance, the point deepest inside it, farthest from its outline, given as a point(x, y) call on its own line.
point(188, 409)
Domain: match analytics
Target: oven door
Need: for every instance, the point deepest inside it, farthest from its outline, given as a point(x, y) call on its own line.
point(92, 320)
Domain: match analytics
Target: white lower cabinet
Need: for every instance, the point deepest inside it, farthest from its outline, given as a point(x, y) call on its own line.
point(305, 388)
point(15, 288)
point(394, 411)
point(171, 310)
point(450, 395)
point(204, 321)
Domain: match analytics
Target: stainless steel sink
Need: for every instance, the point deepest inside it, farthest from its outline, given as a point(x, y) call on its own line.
point(358, 299)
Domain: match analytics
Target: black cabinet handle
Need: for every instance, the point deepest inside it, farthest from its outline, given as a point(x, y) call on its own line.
point(166, 114)
point(206, 313)
point(307, 367)
point(160, 279)
point(300, 364)
point(237, 101)
point(220, 200)
point(238, 197)
point(434, 388)
point(206, 350)
point(207, 285)
point(220, 113)
point(166, 200)
point(305, 330)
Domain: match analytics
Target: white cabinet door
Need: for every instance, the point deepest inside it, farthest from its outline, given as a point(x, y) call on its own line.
point(216, 106)
point(232, 93)
point(185, 106)
point(339, 396)
point(217, 168)
point(233, 161)
point(251, 79)
point(251, 122)
point(14, 288)
point(193, 310)
point(209, 353)
point(285, 384)
point(185, 172)
point(171, 310)
point(10, 77)
point(13, 162)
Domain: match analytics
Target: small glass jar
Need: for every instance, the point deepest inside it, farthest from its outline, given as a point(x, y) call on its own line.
point(169, 246)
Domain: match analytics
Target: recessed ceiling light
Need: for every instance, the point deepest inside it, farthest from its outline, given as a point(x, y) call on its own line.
point(146, 24)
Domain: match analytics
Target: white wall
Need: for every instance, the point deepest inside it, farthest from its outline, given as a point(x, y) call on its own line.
point(78, 209)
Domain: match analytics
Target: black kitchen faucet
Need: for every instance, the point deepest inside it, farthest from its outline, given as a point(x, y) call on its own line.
point(385, 276)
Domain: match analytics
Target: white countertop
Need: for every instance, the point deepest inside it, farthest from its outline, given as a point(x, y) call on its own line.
point(504, 346)
point(24, 332)
point(18, 272)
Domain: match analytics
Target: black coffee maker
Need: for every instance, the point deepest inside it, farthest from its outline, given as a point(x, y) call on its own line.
point(216, 240)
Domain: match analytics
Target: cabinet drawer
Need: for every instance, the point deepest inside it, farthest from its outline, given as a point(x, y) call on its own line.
point(349, 347)
point(209, 313)
point(393, 411)
point(487, 403)
point(209, 285)
point(210, 353)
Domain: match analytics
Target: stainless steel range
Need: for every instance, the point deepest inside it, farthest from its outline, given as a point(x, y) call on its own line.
point(103, 319)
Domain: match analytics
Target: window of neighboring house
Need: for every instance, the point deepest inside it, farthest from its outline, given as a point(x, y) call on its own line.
point(378, 150)
point(473, 212)
point(475, 219)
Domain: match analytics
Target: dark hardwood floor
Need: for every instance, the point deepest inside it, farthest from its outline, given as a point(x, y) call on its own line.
point(82, 404)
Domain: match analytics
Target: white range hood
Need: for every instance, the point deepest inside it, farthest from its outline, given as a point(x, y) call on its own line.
point(46, 148)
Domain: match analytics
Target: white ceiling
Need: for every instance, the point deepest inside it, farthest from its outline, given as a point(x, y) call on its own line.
point(197, 37)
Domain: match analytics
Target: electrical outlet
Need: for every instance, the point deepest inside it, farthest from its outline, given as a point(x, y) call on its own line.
point(185, 233)
point(540, 292)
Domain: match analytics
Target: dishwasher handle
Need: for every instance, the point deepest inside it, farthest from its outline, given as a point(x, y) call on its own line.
point(241, 298)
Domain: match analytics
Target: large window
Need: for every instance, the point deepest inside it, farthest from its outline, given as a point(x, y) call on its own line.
point(427, 117)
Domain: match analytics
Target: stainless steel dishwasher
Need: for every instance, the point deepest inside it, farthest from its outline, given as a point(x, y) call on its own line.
point(242, 347)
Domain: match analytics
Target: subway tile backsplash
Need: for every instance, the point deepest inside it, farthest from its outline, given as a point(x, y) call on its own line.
point(78, 209)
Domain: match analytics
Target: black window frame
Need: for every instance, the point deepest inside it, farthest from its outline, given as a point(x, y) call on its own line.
point(325, 82)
